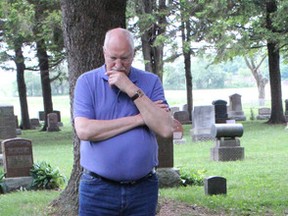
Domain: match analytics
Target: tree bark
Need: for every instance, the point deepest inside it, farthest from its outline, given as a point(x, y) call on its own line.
point(277, 114)
point(22, 91)
point(45, 80)
point(152, 53)
point(84, 26)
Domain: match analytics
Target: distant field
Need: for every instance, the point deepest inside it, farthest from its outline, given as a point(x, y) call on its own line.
point(174, 97)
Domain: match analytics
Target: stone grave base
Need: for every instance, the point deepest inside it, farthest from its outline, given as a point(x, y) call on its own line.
point(12, 184)
point(227, 153)
point(168, 177)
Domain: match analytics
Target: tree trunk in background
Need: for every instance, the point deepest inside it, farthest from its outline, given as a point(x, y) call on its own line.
point(45, 80)
point(20, 65)
point(277, 114)
point(84, 24)
point(186, 40)
point(261, 81)
point(152, 53)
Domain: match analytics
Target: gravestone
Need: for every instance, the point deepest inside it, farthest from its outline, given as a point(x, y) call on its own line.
point(178, 133)
point(215, 185)
point(52, 119)
point(17, 157)
point(202, 121)
point(58, 113)
point(34, 123)
point(263, 113)
point(174, 109)
point(41, 115)
point(168, 176)
point(182, 117)
point(235, 108)
point(227, 144)
point(220, 107)
point(7, 123)
point(165, 152)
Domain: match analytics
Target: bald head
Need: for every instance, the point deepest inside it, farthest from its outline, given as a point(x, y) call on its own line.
point(119, 36)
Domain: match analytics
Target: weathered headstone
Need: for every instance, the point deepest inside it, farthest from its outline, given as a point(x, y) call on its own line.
point(34, 123)
point(202, 121)
point(235, 108)
point(215, 185)
point(220, 107)
point(17, 157)
point(58, 113)
point(263, 113)
point(227, 144)
point(52, 119)
point(182, 117)
point(7, 122)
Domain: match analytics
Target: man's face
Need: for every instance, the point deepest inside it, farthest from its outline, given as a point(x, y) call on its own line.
point(118, 58)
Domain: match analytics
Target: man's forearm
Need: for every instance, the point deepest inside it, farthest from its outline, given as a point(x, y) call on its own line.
point(96, 130)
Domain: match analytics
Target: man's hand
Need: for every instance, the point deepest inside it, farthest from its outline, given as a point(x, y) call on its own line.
point(162, 105)
point(119, 79)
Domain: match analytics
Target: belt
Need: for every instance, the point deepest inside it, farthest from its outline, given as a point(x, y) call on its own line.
point(133, 182)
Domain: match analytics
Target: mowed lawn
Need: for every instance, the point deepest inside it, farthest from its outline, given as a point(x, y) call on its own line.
point(255, 186)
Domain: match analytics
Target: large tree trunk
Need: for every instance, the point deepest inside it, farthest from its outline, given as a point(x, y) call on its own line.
point(84, 24)
point(277, 115)
point(152, 53)
point(19, 61)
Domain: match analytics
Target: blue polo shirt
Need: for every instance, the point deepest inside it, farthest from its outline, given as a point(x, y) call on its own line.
point(129, 155)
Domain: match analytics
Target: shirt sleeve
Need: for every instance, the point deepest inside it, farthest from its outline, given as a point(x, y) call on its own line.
point(83, 100)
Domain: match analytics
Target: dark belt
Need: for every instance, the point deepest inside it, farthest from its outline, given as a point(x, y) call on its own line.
point(133, 182)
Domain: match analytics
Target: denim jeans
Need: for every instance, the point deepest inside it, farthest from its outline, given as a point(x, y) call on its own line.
point(101, 198)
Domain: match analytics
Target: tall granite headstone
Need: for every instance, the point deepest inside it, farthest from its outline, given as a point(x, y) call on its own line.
point(52, 119)
point(220, 107)
point(235, 108)
point(7, 123)
point(202, 121)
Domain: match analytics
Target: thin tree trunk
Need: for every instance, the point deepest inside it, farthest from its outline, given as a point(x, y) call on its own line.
point(22, 91)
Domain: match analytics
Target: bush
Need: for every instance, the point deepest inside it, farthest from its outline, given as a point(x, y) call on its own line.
point(45, 177)
point(192, 177)
point(2, 175)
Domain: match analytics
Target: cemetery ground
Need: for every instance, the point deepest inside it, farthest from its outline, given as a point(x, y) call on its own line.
point(255, 186)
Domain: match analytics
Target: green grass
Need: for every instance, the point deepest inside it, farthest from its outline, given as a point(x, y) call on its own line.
point(255, 186)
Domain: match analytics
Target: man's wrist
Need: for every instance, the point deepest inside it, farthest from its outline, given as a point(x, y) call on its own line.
point(139, 93)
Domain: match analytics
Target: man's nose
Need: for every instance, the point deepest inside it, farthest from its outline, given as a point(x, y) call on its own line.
point(118, 63)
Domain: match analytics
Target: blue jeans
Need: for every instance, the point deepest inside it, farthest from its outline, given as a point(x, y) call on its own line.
point(101, 198)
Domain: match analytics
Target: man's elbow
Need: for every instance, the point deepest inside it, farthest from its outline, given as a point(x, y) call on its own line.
point(166, 132)
point(82, 134)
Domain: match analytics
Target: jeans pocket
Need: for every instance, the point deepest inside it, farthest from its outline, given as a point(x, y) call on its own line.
point(88, 179)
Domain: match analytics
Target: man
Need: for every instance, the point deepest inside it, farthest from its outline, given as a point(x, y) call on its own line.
point(118, 109)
